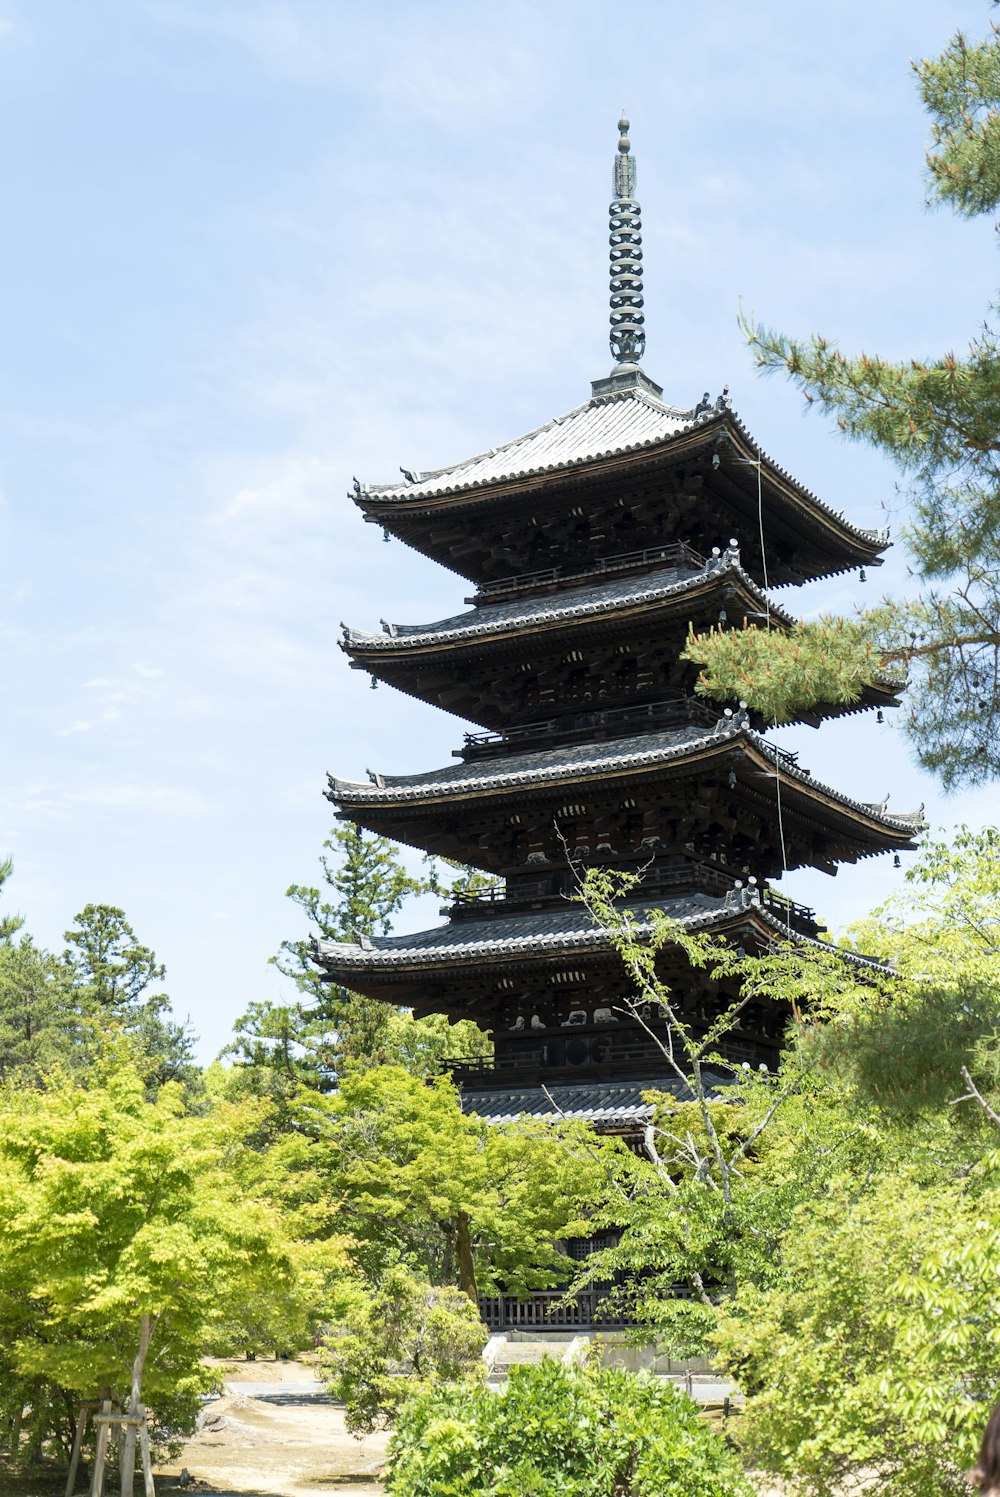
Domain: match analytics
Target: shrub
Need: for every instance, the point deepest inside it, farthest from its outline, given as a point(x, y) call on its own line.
point(405, 1336)
point(560, 1432)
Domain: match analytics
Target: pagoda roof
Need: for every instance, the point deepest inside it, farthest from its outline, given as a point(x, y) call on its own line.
point(630, 423)
point(601, 427)
point(575, 762)
point(608, 1102)
point(572, 930)
point(591, 600)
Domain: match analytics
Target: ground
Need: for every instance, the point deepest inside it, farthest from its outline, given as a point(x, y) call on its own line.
point(275, 1434)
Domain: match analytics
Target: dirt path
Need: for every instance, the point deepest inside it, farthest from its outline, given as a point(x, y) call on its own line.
point(283, 1440)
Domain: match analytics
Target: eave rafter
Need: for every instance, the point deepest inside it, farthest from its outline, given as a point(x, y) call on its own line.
point(732, 766)
point(462, 522)
point(505, 958)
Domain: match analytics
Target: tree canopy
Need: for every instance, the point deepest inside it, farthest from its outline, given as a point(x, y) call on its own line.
point(939, 421)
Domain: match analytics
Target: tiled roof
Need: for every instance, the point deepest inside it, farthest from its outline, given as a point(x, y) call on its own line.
point(556, 930)
point(578, 602)
point(584, 1101)
point(597, 428)
point(546, 766)
point(611, 425)
point(538, 767)
point(546, 932)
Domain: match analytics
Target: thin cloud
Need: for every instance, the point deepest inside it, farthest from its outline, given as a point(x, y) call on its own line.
point(168, 800)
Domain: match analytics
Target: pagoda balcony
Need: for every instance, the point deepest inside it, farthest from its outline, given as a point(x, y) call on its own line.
point(666, 877)
point(605, 722)
point(588, 1055)
point(677, 553)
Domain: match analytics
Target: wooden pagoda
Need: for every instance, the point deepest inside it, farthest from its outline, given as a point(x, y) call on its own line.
point(593, 543)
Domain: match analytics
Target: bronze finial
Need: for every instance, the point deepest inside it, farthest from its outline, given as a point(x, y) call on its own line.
point(628, 340)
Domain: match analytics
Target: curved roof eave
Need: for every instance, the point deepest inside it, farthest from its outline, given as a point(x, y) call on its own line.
point(546, 451)
point(526, 771)
point(571, 933)
point(580, 603)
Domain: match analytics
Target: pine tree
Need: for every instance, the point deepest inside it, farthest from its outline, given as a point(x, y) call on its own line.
point(332, 1029)
point(111, 973)
point(940, 422)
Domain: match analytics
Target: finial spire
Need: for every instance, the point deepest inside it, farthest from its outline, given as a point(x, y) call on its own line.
point(628, 340)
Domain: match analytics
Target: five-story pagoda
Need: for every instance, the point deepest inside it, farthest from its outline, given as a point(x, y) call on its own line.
point(593, 544)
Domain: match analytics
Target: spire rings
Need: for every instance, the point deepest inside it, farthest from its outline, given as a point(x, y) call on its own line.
point(628, 339)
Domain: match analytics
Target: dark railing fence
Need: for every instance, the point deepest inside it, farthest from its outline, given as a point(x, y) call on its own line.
point(545, 1311)
point(674, 712)
point(665, 877)
point(677, 553)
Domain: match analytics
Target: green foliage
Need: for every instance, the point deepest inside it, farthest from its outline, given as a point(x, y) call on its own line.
point(279, 1049)
point(112, 973)
point(40, 1025)
point(903, 1045)
point(560, 1432)
point(939, 420)
point(878, 1357)
point(460, 1201)
point(369, 886)
point(706, 1209)
point(404, 1338)
point(121, 1218)
point(9, 924)
point(783, 674)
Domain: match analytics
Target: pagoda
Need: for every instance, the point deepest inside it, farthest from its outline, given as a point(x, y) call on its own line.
point(593, 544)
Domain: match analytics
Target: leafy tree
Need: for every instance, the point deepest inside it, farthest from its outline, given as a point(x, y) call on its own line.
point(687, 1245)
point(560, 1432)
point(464, 1203)
point(39, 1022)
point(368, 887)
point(915, 1044)
point(877, 1359)
point(939, 420)
point(125, 1243)
point(112, 973)
point(406, 1337)
point(9, 924)
point(279, 1049)
point(704, 1208)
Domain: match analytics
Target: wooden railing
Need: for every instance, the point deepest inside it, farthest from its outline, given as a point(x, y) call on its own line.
point(677, 553)
point(675, 712)
point(545, 1310)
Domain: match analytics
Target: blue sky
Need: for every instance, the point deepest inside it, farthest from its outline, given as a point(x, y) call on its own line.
point(251, 249)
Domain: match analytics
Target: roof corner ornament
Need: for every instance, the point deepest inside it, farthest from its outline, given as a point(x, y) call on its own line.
point(628, 340)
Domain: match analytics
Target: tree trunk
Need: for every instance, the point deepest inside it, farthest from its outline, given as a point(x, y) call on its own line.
point(466, 1262)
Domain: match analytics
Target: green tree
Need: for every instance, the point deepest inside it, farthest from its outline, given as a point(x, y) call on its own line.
point(112, 973)
point(39, 1021)
point(939, 420)
point(561, 1432)
point(877, 1359)
point(365, 887)
point(278, 1050)
point(915, 1044)
point(126, 1241)
point(703, 1209)
point(9, 924)
point(464, 1203)
point(404, 1338)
